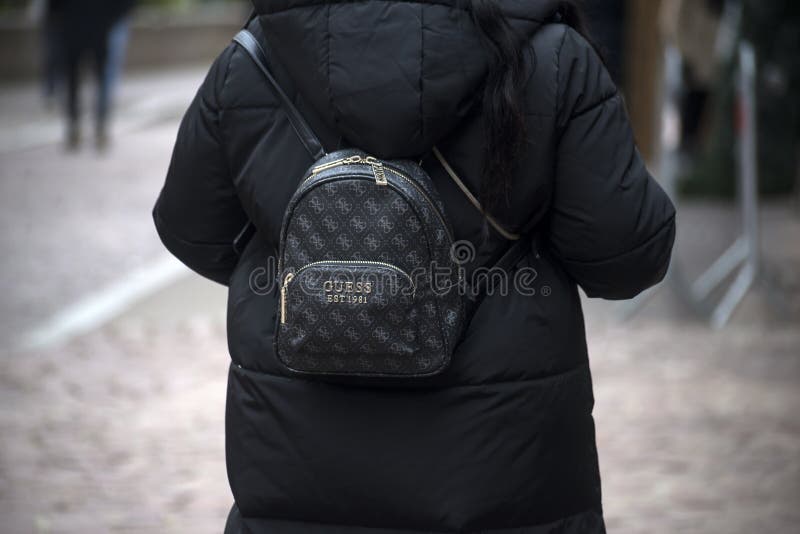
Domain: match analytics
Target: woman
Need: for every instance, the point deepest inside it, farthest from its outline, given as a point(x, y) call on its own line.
point(524, 110)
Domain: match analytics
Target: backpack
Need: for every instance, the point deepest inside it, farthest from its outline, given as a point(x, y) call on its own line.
point(369, 275)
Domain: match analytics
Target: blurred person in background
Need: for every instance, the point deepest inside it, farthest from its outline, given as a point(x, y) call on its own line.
point(691, 26)
point(82, 30)
point(524, 109)
point(707, 34)
point(41, 12)
point(117, 47)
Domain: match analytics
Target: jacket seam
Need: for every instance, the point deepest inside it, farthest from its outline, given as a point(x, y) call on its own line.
point(502, 530)
point(443, 4)
point(571, 371)
point(165, 231)
point(651, 239)
point(603, 101)
point(628, 169)
point(253, 108)
point(558, 71)
point(220, 108)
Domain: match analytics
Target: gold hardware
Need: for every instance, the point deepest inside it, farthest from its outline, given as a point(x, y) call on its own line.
point(377, 170)
point(338, 286)
point(345, 299)
point(284, 290)
point(352, 160)
point(358, 262)
point(511, 236)
point(338, 291)
point(380, 179)
point(369, 160)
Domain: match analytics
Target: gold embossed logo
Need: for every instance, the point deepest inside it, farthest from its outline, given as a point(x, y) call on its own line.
point(338, 291)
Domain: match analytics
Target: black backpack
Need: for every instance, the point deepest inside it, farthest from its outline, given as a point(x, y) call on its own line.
point(370, 279)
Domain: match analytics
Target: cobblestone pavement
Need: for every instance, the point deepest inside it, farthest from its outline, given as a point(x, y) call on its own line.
point(121, 430)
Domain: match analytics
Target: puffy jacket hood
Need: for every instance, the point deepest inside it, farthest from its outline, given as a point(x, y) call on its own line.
point(397, 75)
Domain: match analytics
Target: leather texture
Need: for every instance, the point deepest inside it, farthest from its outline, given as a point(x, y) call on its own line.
point(342, 227)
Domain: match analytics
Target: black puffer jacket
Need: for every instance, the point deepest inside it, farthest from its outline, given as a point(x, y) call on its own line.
point(504, 439)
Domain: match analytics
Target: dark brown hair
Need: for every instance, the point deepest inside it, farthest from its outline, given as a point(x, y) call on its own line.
point(503, 110)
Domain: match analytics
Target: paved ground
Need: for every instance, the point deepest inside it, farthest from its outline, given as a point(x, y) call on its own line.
point(121, 429)
point(71, 224)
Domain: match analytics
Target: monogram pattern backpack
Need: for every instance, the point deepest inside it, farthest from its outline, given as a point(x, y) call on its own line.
point(369, 285)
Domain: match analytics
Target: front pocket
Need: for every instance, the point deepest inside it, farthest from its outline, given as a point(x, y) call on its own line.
point(348, 317)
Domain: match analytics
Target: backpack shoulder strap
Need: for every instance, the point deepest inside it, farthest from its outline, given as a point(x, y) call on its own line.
point(310, 141)
point(506, 258)
point(511, 236)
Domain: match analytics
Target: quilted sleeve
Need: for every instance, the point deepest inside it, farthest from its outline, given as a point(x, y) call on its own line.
point(612, 227)
point(198, 214)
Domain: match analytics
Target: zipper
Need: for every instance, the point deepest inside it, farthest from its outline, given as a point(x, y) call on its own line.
point(375, 163)
point(335, 163)
point(291, 276)
point(424, 195)
point(379, 172)
point(284, 290)
point(380, 179)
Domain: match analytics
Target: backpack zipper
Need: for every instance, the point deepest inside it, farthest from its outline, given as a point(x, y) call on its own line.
point(291, 276)
point(375, 163)
point(284, 288)
point(380, 178)
point(379, 172)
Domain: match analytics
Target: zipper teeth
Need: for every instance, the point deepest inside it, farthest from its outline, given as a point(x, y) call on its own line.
point(329, 165)
point(356, 262)
point(290, 277)
point(350, 160)
point(363, 161)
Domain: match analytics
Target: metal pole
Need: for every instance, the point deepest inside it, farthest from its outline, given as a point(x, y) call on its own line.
point(748, 186)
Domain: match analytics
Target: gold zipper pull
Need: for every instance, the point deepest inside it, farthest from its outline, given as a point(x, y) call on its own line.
point(284, 290)
point(377, 170)
point(335, 163)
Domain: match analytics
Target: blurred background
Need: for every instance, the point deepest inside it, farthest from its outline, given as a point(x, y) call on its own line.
point(113, 356)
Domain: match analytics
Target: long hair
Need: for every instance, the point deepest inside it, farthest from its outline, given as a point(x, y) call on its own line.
point(503, 94)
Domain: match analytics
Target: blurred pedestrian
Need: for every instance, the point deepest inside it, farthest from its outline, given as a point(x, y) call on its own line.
point(692, 27)
point(117, 47)
point(83, 30)
point(525, 111)
point(42, 13)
